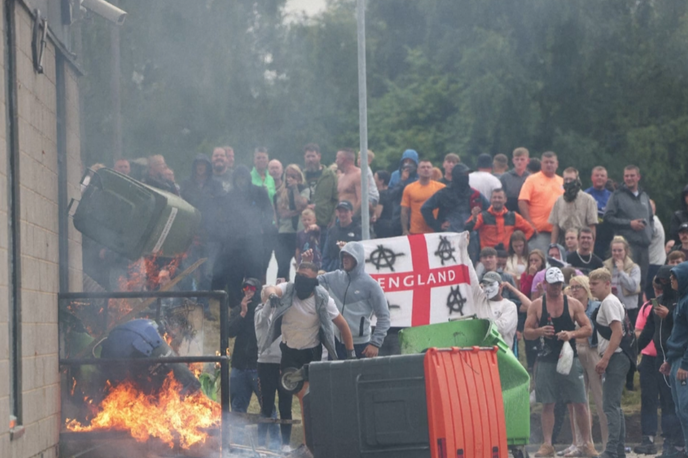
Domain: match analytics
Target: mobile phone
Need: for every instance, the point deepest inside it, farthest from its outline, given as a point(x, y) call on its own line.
point(655, 304)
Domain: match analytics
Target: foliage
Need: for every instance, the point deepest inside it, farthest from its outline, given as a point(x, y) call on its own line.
point(600, 83)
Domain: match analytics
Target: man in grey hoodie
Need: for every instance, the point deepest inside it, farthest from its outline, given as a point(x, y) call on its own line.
point(629, 212)
point(358, 297)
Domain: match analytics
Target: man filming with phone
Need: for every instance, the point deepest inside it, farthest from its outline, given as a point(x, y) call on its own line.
point(653, 328)
point(629, 212)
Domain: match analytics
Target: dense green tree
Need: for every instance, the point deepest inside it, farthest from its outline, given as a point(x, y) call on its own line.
point(597, 82)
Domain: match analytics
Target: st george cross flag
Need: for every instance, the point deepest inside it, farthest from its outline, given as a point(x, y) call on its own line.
point(425, 277)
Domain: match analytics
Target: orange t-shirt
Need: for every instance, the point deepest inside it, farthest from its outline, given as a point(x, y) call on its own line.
point(541, 192)
point(414, 197)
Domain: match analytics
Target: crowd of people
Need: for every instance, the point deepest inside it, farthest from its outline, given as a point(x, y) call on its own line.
point(554, 262)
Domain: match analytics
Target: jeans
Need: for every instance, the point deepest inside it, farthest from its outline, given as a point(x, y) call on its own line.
point(342, 353)
point(242, 384)
point(285, 248)
point(268, 378)
point(540, 241)
point(655, 391)
point(679, 391)
point(641, 256)
point(612, 389)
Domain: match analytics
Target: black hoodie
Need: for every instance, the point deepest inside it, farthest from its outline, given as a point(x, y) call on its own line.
point(200, 194)
point(679, 217)
point(245, 355)
point(244, 213)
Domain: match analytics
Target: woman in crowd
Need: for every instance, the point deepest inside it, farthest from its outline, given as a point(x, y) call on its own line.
point(517, 263)
point(536, 263)
point(625, 276)
point(290, 200)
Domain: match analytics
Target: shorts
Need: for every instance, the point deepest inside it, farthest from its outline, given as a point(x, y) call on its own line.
point(551, 386)
point(299, 358)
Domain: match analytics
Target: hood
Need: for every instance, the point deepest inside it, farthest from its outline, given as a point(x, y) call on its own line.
point(551, 262)
point(356, 250)
point(684, 193)
point(458, 171)
point(681, 273)
point(409, 154)
point(209, 166)
point(241, 172)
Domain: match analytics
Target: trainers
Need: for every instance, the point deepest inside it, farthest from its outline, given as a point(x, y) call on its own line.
point(566, 452)
point(646, 447)
point(545, 450)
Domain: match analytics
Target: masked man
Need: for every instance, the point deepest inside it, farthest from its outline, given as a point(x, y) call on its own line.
point(573, 209)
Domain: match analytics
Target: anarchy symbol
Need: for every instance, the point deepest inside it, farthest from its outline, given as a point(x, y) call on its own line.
point(445, 251)
point(455, 301)
point(383, 258)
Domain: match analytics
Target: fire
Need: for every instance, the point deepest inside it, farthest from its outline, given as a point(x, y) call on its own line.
point(166, 415)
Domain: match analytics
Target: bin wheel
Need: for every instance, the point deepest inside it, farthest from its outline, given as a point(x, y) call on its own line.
point(520, 452)
point(292, 380)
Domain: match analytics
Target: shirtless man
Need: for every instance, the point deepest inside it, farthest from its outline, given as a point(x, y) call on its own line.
point(349, 186)
point(552, 319)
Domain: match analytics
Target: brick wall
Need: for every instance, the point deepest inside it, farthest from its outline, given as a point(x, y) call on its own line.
point(38, 180)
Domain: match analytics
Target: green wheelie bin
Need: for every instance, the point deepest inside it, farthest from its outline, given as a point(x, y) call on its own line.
point(134, 219)
point(514, 378)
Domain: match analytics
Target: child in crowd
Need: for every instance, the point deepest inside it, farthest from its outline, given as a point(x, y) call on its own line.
point(308, 238)
point(675, 258)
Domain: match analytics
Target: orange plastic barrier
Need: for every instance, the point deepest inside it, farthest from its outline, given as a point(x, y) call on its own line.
point(465, 406)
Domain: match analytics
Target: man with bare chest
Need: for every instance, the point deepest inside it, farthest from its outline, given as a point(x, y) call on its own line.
point(349, 185)
point(552, 319)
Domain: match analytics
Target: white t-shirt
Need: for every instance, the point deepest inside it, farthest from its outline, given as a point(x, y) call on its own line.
point(301, 324)
point(611, 309)
point(484, 182)
point(506, 319)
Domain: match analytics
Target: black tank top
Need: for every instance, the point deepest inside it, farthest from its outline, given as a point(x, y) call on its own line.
point(551, 346)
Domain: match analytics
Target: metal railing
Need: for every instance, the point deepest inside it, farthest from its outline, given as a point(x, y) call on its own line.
point(223, 358)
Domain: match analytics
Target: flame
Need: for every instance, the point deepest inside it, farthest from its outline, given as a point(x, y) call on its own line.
point(166, 415)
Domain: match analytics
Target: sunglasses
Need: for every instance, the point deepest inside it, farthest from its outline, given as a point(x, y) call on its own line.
point(249, 288)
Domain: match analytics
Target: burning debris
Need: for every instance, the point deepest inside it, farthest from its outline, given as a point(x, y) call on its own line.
point(179, 421)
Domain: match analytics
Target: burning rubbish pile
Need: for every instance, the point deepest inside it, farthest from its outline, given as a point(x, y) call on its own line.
point(177, 420)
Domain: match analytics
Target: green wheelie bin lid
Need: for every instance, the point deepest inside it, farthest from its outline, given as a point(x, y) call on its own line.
point(134, 219)
point(514, 378)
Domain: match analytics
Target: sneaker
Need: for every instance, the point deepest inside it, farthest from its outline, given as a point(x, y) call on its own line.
point(545, 450)
point(646, 447)
point(565, 452)
point(286, 448)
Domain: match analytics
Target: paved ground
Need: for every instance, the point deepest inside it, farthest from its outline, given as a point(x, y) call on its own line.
point(533, 448)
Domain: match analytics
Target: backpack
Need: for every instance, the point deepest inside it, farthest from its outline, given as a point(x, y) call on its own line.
point(629, 341)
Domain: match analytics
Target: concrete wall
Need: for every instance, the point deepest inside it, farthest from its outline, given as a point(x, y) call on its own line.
point(38, 180)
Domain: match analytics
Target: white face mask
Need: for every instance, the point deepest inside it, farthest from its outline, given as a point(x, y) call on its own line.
point(491, 289)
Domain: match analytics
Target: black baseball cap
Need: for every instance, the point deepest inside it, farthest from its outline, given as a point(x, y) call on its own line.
point(683, 227)
point(346, 205)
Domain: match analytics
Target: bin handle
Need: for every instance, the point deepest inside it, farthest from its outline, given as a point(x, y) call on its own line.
point(69, 207)
point(463, 318)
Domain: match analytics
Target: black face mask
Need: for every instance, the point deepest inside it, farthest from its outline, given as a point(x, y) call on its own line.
point(304, 286)
point(571, 190)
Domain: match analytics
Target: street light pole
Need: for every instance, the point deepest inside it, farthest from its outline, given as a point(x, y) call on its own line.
point(363, 118)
